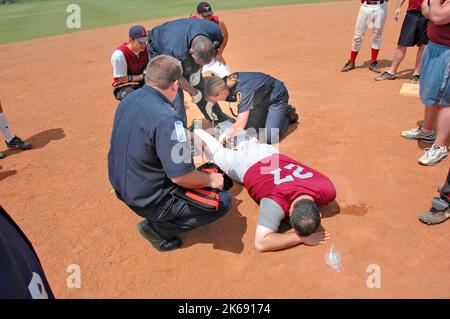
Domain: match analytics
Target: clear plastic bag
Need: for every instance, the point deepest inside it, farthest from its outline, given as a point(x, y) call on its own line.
point(333, 259)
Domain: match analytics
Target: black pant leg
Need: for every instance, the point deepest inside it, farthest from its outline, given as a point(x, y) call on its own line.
point(221, 116)
point(446, 187)
point(182, 216)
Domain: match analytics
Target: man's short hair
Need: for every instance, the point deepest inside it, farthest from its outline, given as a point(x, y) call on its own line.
point(305, 217)
point(203, 48)
point(162, 71)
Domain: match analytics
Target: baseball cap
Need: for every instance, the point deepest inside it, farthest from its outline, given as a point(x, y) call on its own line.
point(138, 32)
point(205, 9)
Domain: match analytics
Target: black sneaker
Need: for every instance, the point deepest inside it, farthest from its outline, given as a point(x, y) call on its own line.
point(385, 76)
point(161, 244)
point(415, 79)
point(375, 67)
point(292, 113)
point(348, 66)
point(17, 143)
point(2, 155)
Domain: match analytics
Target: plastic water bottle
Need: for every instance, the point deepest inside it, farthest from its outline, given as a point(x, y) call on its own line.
point(333, 259)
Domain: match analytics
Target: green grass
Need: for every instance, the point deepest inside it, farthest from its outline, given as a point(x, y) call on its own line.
point(42, 18)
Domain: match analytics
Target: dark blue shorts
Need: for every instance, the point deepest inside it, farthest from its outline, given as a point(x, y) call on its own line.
point(414, 30)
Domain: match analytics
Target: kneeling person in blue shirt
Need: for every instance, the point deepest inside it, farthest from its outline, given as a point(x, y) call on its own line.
point(150, 158)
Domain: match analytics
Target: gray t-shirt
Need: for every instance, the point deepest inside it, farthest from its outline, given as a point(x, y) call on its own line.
point(270, 214)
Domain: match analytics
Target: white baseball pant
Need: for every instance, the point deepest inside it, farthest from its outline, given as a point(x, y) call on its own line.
point(236, 163)
point(370, 15)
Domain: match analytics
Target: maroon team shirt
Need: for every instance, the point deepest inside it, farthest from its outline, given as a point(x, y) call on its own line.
point(283, 179)
point(135, 64)
point(214, 18)
point(415, 5)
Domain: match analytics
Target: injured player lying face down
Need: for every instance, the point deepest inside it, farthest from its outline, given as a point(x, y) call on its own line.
point(282, 186)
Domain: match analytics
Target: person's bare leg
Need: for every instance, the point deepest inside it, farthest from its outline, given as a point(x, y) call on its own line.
point(430, 118)
point(399, 55)
point(443, 126)
point(419, 59)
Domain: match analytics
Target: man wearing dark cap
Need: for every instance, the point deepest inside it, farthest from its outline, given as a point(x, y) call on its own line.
point(193, 42)
point(218, 66)
point(129, 62)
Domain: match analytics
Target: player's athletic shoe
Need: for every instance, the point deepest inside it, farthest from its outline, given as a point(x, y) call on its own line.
point(348, 66)
point(385, 76)
point(415, 79)
point(17, 142)
point(292, 113)
point(438, 213)
point(433, 155)
point(375, 67)
point(156, 240)
point(2, 155)
point(418, 134)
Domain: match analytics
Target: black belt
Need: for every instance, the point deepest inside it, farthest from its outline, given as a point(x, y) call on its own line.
point(373, 2)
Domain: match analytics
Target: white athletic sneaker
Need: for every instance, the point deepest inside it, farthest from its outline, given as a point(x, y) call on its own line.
point(418, 134)
point(433, 155)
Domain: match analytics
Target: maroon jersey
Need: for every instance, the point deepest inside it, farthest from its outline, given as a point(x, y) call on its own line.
point(135, 64)
point(283, 179)
point(439, 34)
point(214, 18)
point(415, 5)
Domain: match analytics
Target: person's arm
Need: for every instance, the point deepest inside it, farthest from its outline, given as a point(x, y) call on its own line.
point(120, 69)
point(268, 240)
point(425, 9)
point(131, 78)
point(196, 179)
point(240, 124)
point(439, 13)
point(219, 56)
point(398, 9)
point(186, 86)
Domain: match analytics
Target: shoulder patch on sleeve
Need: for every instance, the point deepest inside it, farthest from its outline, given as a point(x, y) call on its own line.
point(181, 133)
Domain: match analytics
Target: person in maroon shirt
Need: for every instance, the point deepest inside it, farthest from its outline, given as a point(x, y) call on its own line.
point(218, 66)
point(435, 84)
point(414, 32)
point(283, 187)
point(129, 62)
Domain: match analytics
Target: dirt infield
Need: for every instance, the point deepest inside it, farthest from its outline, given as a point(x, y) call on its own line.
point(56, 93)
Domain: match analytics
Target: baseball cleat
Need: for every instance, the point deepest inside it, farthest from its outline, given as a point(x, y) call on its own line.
point(161, 244)
point(385, 76)
point(433, 155)
point(17, 143)
point(292, 114)
point(2, 155)
point(348, 66)
point(375, 67)
point(418, 134)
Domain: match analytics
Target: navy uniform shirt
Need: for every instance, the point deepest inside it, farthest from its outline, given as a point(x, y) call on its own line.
point(253, 89)
point(21, 274)
point(149, 145)
point(174, 38)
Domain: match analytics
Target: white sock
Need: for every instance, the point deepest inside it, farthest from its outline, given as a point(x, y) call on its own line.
point(4, 128)
point(209, 140)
